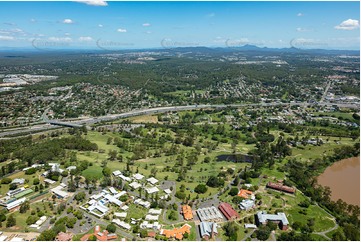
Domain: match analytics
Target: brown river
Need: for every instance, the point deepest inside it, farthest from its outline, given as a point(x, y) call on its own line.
point(343, 177)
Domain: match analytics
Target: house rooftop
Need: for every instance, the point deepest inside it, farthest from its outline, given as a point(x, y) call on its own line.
point(152, 180)
point(263, 217)
point(244, 193)
point(187, 212)
point(138, 176)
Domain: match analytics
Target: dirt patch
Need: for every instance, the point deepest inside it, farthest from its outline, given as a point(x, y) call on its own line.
point(26, 236)
point(145, 119)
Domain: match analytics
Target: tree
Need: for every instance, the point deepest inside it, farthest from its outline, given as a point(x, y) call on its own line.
point(92, 238)
point(296, 225)
point(143, 233)
point(201, 189)
point(231, 230)
point(64, 173)
point(180, 195)
point(13, 186)
point(6, 180)
point(112, 154)
point(80, 196)
point(24, 207)
point(272, 226)
point(263, 232)
point(233, 191)
point(47, 235)
point(31, 219)
point(173, 215)
point(11, 221)
point(111, 228)
point(36, 181)
point(106, 171)
point(215, 182)
point(70, 222)
point(338, 236)
point(30, 171)
point(207, 159)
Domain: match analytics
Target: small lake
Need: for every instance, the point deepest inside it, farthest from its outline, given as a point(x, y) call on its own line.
point(343, 177)
point(235, 158)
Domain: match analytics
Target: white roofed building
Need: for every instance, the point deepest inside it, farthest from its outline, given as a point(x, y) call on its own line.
point(124, 208)
point(125, 178)
point(120, 215)
point(138, 176)
point(15, 203)
point(135, 185)
point(152, 217)
point(112, 190)
point(58, 191)
point(117, 173)
point(140, 202)
point(155, 211)
point(151, 190)
point(122, 224)
point(168, 191)
point(152, 180)
point(18, 181)
point(69, 168)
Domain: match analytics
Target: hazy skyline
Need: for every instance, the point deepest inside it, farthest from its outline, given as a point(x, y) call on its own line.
point(122, 25)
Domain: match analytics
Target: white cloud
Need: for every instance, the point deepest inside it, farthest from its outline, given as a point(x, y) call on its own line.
point(67, 34)
point(148, 32)
point(210, 15)
point(302, 30)
point(219, 39)
point(17, 30)
point(85, 38)
point(68, 21)
point(33, 20)
point(146, 24)
point(348, 24)
point(300, 14)
point(3, 37)
point(93, 2)
point(122, 30)
point(100, 25)
point(60, 39)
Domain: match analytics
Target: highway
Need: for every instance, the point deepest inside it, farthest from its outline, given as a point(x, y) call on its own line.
point(139, 112)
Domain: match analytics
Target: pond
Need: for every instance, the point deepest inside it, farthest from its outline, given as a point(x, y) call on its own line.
point(235, 158)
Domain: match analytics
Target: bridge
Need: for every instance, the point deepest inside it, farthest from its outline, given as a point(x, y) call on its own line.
point(65, 124)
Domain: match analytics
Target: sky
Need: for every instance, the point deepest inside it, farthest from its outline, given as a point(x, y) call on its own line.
point(96, 24)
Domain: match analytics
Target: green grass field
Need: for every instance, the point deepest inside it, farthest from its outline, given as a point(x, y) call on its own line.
point(136, 212)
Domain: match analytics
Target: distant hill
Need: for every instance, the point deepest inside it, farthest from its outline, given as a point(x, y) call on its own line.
point(254, 48)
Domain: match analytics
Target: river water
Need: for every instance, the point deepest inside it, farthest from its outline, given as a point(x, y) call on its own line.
point(343, 177)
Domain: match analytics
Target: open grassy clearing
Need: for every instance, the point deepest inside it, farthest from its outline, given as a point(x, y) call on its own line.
point(312, 151)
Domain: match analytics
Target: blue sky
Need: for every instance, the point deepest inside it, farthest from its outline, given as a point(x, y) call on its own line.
point(120, 25)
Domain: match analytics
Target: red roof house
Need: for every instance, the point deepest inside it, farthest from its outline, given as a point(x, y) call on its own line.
point(101, 236)
point(228, 211)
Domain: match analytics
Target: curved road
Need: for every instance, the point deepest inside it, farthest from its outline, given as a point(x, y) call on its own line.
point(139, 112)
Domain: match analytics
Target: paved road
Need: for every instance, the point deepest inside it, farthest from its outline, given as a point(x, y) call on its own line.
point(138, 112)
point(325, 92)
